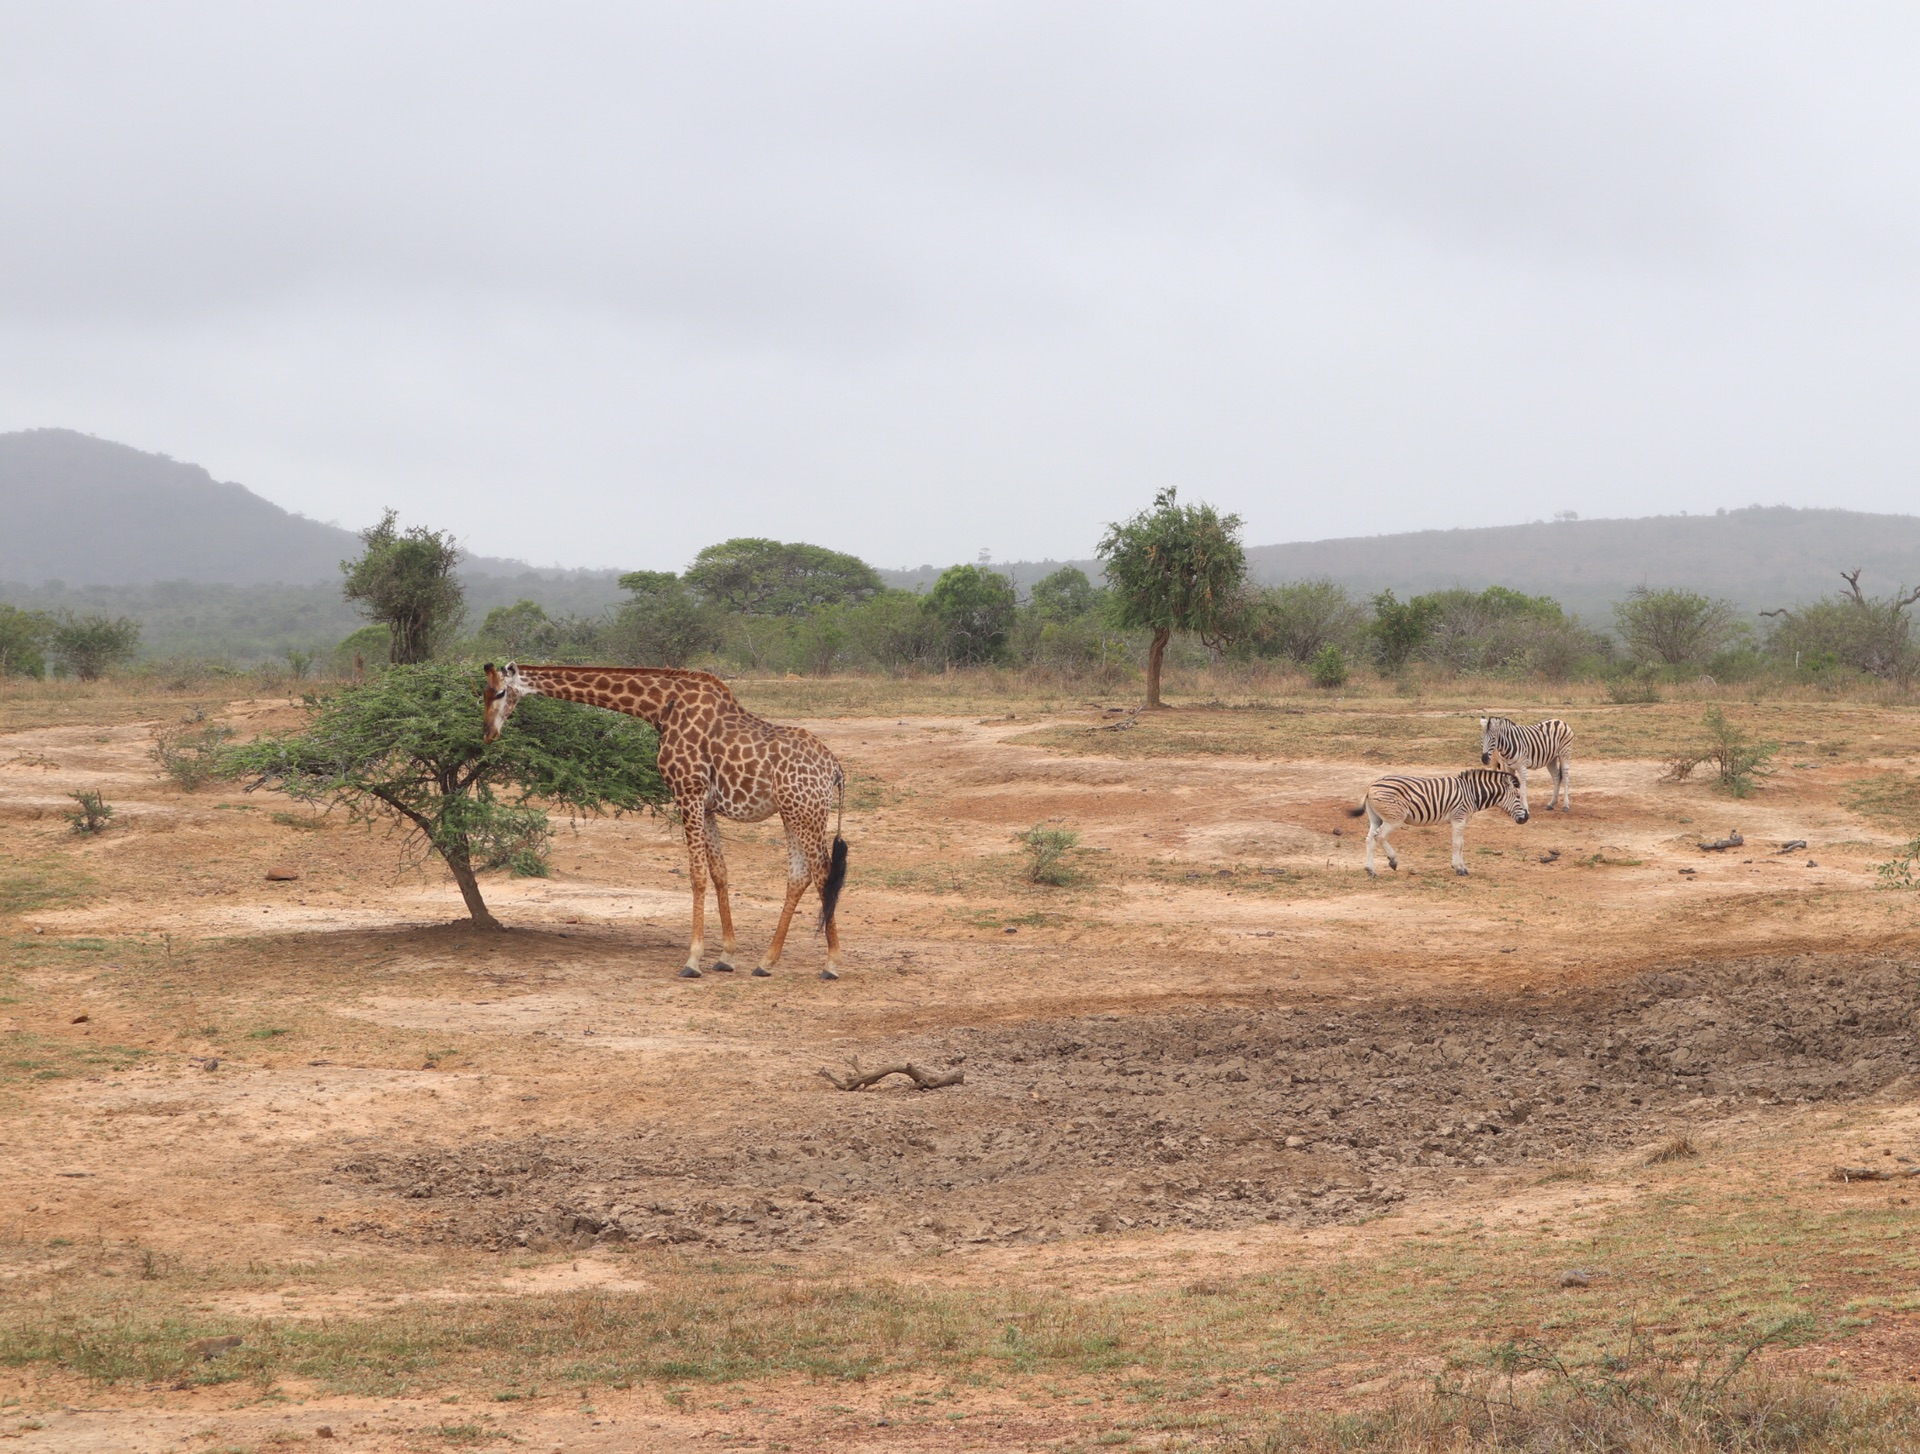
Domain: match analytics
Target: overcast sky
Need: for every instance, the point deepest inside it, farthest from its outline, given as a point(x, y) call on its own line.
point(601, 284)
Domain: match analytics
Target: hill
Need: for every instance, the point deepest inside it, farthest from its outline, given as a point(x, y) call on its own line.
point(89, 512)
point(1759, 558)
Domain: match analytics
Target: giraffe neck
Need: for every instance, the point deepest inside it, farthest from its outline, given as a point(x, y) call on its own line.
point(646, 692)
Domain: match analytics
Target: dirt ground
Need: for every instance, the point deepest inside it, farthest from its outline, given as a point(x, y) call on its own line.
point(1221, 1052)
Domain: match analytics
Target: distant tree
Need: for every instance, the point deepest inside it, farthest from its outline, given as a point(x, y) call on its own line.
point(514, 631)
point(1400, 628)
point(1871, 634)
point(89, 646)
point(1674, 627)
point(1173, 567)
point(406, 582)
point(406, 749)
point(23, 642)
point(975, 608)
point(760, 577)
point(1065, 595)
point(663, 623)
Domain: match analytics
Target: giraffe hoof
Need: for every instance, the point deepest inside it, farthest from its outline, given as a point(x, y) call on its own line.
point(828, 974)
point(722, 967)
point(760, 971)
point(689, 973)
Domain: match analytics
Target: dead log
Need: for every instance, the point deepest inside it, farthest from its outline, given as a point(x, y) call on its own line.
point(1122, 724)
point(858, 1079)
point(1872, 1173)
point(1732, 840)
point(1793, 845)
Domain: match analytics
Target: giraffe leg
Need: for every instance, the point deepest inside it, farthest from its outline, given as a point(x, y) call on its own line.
point(797, 880)
point(697, 872)
point(717, 866)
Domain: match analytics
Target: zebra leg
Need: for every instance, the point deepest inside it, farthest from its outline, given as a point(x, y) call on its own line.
point(1566, 787)
point(1460, 846)
point(1393, 859)
point(1373, 828)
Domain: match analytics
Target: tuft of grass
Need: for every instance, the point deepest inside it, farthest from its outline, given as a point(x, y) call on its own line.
point(25, 887)
point(1674, 1148)
point(192, 754)
point(1892, 797)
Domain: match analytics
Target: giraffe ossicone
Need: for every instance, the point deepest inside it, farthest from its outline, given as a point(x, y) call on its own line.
point(720, 761)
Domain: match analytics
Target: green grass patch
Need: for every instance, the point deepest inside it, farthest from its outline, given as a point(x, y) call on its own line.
point(1892, 798)
point(26, 1058)
point(40, 884)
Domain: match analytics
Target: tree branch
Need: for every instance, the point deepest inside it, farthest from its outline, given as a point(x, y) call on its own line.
point(859, 1079)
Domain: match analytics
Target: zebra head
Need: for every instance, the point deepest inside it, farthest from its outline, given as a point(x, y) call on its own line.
point(1496, 788)
point(1494, 736)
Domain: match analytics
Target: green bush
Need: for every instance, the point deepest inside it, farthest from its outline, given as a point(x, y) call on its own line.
point(92, 813)
point(1047, 850)
point(1328, 668)
point(89, 646)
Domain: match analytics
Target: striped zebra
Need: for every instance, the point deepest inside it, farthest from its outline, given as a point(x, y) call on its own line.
point(1393, 801)
point(1545, 744)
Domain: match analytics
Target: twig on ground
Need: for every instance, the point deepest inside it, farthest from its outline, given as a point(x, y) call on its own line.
point(1120, 725)
point(1872, 1173)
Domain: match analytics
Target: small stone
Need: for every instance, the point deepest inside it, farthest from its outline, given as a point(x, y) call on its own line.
point(281, 875)
point(78, 1020)
point(1576, 1277)
point(325, 1431)
point(1010, 929)
point(1294, 1143)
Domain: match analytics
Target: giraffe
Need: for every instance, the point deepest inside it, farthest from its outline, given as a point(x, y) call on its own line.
point(720, 761)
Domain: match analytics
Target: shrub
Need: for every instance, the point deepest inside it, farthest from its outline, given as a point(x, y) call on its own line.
point(663, 623)
point(1329, 667)
point(92, 813)
point(1047, 850)
point(23, 642)
point(1872, 634)
point(89, 646)
point(1738, 760)
point(1673, 627)
point(192, 754)
point(1640, 685)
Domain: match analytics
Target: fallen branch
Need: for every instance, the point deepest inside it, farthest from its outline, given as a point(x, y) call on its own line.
point(1872, 1173)
point(1793, 845)
point(1732, 840)
point(859, 1079)
point(1122, 724)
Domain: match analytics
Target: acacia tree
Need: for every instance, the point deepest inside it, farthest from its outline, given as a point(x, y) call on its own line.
point(1873, 634)
point(405, 749)
point(406, 583)
point(759, 577)
point(1173, 567)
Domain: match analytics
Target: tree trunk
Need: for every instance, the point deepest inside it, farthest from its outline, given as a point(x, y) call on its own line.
point(462, 868)
point(1155, 654)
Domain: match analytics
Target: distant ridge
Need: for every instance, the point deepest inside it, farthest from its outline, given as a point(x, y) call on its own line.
point(1760, 558)
point(89, 512)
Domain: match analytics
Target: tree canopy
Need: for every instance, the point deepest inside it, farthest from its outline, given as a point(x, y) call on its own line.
point(760, 577)
point(23, 641)
point(406, 583)
point(405, 748)
point(1673, 627)
point(975, 608)
point(1173, 567)
point(89, 646)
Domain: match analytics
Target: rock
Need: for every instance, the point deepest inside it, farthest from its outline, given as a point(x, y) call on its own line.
point(1576, 1277)
point(78, 1020)
point(281, 875)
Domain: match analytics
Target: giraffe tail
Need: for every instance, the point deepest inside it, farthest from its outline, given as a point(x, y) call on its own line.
point(837, 866)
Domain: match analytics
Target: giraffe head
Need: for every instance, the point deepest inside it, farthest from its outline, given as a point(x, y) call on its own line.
point(501, 695)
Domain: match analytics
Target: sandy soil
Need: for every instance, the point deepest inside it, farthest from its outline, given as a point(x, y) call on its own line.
point(1223, 1040)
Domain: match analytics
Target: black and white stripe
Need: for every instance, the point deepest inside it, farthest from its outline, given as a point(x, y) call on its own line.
point(1394, 801)
point(1547, 744)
